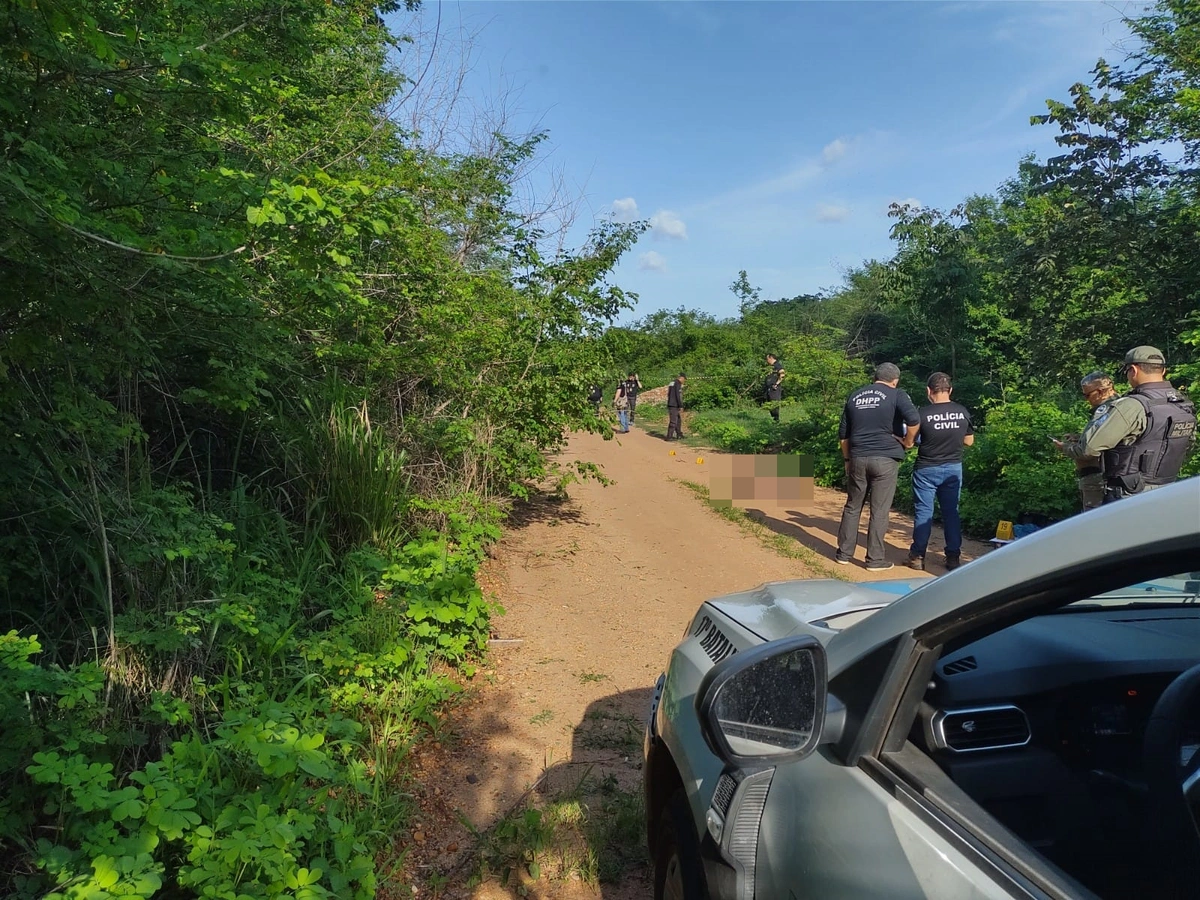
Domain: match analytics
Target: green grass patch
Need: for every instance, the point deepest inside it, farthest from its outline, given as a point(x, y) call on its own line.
point(781, 544)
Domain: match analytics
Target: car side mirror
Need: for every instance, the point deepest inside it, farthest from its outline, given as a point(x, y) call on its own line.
point(765, 705)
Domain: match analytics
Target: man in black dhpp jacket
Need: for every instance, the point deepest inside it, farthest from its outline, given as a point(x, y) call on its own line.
point(674, 405)
point(869, 433)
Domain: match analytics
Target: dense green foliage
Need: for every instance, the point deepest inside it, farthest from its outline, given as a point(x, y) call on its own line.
point(266, 368)
point(1017, 295)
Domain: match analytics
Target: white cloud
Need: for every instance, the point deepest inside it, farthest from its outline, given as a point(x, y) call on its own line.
point(652, 262)
point(667, 224)
point(831, 212)
point(625, 210)
point(768, 190)
point(799, 175)
point(833, 151)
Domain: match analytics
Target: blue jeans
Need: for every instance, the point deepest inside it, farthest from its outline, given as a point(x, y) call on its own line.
point(623, 418)
point(945, 483)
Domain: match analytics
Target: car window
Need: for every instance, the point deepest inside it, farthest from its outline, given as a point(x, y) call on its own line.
point(1043, 723)
point(1176, 589)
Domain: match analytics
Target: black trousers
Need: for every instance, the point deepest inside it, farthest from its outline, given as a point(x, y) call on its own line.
point(673, 423)
point(876, 476)
point(774, 399)
point(632, 407)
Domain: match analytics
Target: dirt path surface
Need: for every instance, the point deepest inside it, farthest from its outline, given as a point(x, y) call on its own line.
point(596, 589)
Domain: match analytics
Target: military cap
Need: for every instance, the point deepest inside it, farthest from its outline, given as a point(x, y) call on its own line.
point(1145, 355)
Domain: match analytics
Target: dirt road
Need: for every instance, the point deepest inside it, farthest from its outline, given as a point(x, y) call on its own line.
point(596, 591)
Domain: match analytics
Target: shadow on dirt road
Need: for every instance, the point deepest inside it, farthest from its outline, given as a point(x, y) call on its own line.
point(581, 829)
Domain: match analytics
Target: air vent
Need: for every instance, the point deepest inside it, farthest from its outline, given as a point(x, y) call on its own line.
point(982, 728)
point(713, 640)
point(723, 795)
point(958, 666)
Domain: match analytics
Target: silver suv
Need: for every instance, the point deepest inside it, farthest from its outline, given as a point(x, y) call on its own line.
point(1027, 726)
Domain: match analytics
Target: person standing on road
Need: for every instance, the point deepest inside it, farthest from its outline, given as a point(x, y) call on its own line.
point(621, 405)
point(595, 396)
point(1089, 470)
point(872, 420)
point(942, 433)
point(633, 384)
point(1145, 436)
point(773, 388)
point(674, 407)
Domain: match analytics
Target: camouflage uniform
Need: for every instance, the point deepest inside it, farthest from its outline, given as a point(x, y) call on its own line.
point(1113, 434)
point(1089, 470)
point(1115, 422)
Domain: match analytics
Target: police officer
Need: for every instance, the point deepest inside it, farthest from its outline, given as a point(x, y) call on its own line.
point(1145, 436)
point(1098, 391)
point(675, 408)
point(633, 385)
point(773, 386)
point(873, 420)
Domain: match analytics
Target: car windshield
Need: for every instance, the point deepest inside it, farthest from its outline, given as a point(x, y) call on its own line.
point(1170, 591)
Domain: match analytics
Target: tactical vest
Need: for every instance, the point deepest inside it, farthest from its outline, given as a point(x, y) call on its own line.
point(1159, 452)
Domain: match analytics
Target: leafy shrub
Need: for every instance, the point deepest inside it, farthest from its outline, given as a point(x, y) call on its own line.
point(815, 434)
point(711, 393)
point(235, 744)
point(1013, 472)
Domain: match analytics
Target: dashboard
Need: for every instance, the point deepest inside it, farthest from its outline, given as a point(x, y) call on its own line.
point(1042, 723)
point(1100, 726)
point(1081, 682)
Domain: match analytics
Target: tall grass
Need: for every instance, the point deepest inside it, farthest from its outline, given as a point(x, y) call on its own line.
point(355, 472)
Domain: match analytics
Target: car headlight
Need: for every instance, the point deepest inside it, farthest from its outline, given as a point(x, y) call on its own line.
point(734, 819)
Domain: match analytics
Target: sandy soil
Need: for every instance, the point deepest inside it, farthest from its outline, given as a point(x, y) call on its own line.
point(596, 590)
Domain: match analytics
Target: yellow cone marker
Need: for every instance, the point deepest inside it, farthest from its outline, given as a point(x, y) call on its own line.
point(699, 460)
point(672, 452)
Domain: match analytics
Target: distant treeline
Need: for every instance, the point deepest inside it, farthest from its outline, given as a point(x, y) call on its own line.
point(1016, 295)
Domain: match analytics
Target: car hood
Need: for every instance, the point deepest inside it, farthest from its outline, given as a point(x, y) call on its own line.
point(781, 608)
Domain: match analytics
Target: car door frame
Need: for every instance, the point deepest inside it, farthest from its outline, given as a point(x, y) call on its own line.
point(879, 746)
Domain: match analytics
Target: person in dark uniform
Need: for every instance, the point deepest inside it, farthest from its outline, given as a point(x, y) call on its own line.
point(1145, 436)
point(594, 398)
point(1098, 391)
point(944, 430)
point(674, 406)
point(873, 420)
point(633, 384)
point(773, 388)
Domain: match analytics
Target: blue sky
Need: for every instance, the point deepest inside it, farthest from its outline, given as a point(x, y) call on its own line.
point(766, 136)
